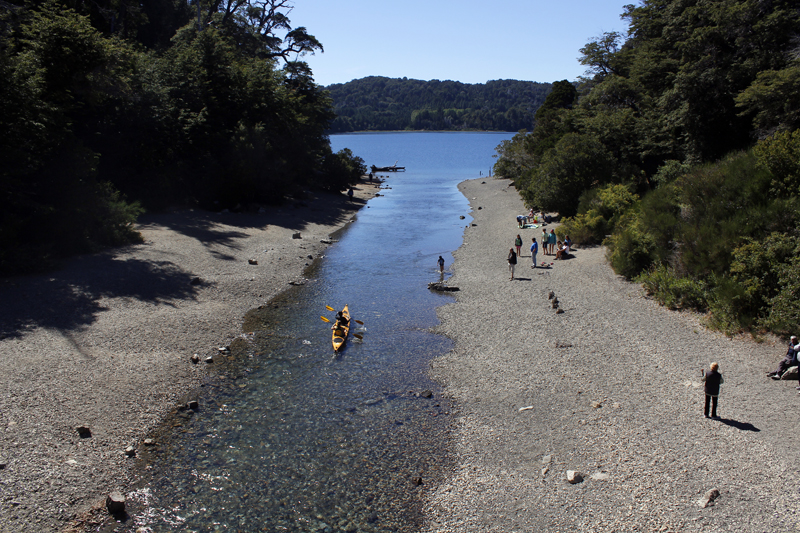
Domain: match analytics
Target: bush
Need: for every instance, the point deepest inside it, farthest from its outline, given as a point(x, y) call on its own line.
point(598, 213)
point(631, 249)
point(784, 307)
point(673, 291)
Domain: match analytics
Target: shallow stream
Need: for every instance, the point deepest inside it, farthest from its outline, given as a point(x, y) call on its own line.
point(291, 437)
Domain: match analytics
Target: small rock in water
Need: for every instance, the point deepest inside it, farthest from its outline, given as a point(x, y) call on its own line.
point(209, 359)
point(426, 394)
point(130, 451)
point(193, 405)
point(195, 358)
point(115, 503)
point(574, 477)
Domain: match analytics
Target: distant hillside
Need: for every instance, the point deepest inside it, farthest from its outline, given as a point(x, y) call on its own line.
point(378, 103)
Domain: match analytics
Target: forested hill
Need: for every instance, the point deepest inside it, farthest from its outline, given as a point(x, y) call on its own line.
point(107, 106)
point(379, 103)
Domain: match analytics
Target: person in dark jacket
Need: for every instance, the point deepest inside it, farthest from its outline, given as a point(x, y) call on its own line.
point(512, 262)
point(713, 379)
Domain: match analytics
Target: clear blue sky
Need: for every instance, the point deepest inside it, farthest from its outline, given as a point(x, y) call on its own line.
point(461, 40)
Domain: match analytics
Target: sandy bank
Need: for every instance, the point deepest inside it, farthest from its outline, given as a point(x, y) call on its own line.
point(106, 342)
point(609, 388)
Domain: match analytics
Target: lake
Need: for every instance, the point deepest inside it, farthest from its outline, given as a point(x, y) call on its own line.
point(295, 438)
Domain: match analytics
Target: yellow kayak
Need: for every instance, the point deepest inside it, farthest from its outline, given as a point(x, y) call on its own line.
point(340, 330)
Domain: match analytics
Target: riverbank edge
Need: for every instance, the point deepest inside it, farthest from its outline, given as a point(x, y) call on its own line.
point(99, 353)
point(609, 388)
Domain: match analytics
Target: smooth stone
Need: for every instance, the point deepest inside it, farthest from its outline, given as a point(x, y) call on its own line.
point(574, 477)
point(708, 498)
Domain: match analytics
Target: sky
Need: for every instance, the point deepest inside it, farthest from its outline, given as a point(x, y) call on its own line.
point(459, 40)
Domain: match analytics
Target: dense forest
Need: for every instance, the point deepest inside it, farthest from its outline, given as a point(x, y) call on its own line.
point(108, 107)
point(378, 103)
point(680, 151)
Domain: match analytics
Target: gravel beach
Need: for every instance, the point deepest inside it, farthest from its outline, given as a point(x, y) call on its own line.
point(105, 343)
point(610, 388)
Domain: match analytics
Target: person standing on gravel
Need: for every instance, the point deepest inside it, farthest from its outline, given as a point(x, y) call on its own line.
point(713, 379)
point(518, 244)
point(544, 242)
point(551, 241)
point(512, 262)
point(534, 249)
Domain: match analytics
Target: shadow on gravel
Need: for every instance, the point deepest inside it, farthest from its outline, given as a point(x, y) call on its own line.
point(69, 298)
point(743, 426)
point(328, 209)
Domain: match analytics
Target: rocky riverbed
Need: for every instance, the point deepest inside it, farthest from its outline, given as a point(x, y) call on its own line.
point(97, 353)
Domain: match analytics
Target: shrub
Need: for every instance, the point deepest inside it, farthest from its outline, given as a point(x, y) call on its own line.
point(673, 291)
point(631, 249)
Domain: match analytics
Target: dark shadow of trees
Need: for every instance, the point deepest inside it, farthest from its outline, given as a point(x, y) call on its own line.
point(70, 298)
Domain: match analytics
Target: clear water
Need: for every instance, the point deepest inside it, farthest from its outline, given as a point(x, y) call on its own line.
point(290, 437)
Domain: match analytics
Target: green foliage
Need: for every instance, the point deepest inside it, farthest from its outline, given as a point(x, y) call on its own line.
point(599, 210)
point(784, 306)
point(576, 163)
point(673, 291)
point(342, 169)
point(670, 171)
point(108, 106)
point(631, 249)
point(773, 100)
point(378, 103)
point(780, 154)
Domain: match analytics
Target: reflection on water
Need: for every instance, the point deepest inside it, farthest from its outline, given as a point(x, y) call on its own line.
point(289, 436)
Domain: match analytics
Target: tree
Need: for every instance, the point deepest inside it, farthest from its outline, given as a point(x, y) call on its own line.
point(576, 163)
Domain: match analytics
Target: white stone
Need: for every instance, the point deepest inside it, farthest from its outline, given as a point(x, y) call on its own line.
point(574, 476)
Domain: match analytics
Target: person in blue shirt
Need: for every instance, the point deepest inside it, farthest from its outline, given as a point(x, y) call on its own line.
point(534, 250)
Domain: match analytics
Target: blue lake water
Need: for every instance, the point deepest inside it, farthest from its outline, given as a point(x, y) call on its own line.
point(293, 438)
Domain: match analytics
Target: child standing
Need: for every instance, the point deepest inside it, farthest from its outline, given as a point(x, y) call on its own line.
point(713, 379)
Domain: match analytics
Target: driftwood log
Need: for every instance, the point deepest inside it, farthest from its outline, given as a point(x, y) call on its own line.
point(441, 287)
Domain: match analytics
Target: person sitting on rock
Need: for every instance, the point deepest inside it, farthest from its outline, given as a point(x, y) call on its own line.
point(562, 251)
point(788, 361)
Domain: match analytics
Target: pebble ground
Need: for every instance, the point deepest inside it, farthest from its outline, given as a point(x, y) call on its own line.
point(609, 388)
